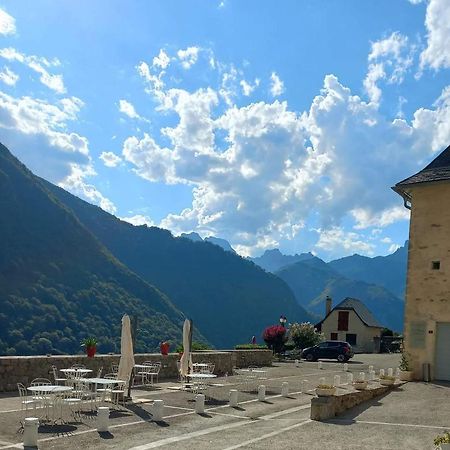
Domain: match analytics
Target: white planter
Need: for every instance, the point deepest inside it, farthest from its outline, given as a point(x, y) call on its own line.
point(386, 382)
point(325, 392)
point(406, 375)
point(360, 385)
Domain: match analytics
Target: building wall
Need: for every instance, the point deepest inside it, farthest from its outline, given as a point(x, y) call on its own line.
point(364, 334)
point(427, 291)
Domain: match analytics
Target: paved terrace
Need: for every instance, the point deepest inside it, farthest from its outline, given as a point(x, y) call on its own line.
point(408, 417)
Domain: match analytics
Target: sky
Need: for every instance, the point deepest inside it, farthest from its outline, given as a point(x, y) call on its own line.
point(269, 124)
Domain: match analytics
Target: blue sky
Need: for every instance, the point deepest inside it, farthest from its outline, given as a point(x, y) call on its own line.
point(267, 124)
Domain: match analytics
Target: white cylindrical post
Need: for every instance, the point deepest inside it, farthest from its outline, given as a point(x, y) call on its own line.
point(345, 367)
point(157, 410)
point(297, 363)
point(370, 368)
point(319, 365)
point(381, 372)
point(261, 393)
point(30, 432)
point(350, 378)
point(103, 419)
point(397, 372)
point(372, 375)
point(200, 404)
point(390, 372)
point(304, 386)
point(337, 380)
point(362, 376)
point(285, 389)
point(233, 397)
point(322, 380)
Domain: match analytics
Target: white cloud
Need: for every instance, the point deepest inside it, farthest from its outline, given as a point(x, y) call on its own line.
point(162, 60)
point(138, 220)
point(336, 240)
point(248, 88)
point(188, 57)
point(386, 240)
point(389, 59)
point(277, 86)
point(437, 21)
point(39, 65)
point(365, 218)
point(393, 248)
point(110, 159)
point(7, 23)
point(128, 109)
point(8, 77)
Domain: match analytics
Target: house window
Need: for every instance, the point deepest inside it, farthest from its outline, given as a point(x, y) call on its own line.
point(351, 338)
point(436, 265)
point(343, 321)
point(334, 336)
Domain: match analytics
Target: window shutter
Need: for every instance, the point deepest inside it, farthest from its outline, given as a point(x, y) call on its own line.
point(343, 321)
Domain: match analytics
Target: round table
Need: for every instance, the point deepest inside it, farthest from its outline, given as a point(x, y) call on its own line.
point(202, 375)
point(47, 390)
point(76, 371)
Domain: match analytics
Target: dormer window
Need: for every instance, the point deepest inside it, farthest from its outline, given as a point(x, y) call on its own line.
point(435, 265)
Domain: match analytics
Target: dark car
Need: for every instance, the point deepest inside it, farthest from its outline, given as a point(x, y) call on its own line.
point(340, 350)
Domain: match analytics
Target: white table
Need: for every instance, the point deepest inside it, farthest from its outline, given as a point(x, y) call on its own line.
point(202, 375)
point(146, 368)
point(76, 372)
point(49, 390)
point(200, 365)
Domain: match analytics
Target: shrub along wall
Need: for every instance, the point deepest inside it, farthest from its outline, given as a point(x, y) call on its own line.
point(23, 369)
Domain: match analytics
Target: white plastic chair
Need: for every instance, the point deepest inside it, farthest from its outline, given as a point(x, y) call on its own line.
point(25, 402)
point(56, 378)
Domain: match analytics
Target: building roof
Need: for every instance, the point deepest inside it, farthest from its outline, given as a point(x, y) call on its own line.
point(437, 170)
point(360, 309)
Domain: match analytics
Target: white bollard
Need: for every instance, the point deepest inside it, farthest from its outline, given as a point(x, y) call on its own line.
point(30, 432)
point(337, 380)
point(381, 372)
point(370, 368)
point(390, 372)
point(157, 410)
point(285, 389)
point(233, 398)
point(362, 376)
point(372, 375)
point(103, 419)
point(322, 380)
point(261, 393)
point(297, 363)
point(319, 365)
point(304, 386)
point(350, 378)
point(200, 404)
point(345, 367)
point(397, 372)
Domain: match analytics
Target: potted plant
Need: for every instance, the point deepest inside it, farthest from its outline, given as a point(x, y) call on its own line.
point(325, 390)
point(90, 346)
point(164, 347)
point(442, 442)
point(360, 385)
point(406, 373)
point(386, 380)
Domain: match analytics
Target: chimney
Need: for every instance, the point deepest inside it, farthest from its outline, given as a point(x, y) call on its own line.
point(328, 302)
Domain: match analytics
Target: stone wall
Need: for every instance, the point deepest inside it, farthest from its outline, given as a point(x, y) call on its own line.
point(323, 408)
point(23, 369)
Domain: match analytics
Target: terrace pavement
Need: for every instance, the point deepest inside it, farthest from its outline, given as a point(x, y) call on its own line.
point(408, 417)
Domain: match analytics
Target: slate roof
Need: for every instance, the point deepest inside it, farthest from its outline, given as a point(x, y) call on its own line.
point(360, 309)
point(437, 170)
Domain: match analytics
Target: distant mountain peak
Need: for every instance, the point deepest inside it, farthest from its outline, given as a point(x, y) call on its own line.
point(273, 259)
point(193, 236)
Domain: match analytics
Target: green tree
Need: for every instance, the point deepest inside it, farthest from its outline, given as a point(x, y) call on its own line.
point(304, 335)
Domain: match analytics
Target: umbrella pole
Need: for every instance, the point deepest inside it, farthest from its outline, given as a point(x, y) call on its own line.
point(134, 322)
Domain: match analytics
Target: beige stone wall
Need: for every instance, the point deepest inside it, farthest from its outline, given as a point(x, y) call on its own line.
point(23, 369)
point(428, 291)
point(364, 334)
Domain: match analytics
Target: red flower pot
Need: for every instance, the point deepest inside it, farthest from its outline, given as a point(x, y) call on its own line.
point(164, 347)
point(91, 351)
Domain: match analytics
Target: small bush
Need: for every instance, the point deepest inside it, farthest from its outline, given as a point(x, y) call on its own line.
point(305, 335)
point(196, 346)
point(275, 337)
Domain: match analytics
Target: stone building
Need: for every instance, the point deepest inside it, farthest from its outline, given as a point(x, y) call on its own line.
point(427, 307)
point(352, 322)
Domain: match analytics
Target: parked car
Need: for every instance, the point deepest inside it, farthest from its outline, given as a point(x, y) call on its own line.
point(340, 350)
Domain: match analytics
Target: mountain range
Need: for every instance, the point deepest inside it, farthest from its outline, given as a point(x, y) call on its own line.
point(68, 270)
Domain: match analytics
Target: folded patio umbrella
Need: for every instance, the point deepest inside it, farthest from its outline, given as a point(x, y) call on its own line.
point(126, 363)
point(186, 359)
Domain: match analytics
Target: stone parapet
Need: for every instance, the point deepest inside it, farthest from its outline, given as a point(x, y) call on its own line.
point(23, 369)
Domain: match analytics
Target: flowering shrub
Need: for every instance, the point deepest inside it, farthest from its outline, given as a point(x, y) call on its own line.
point(275, 337)
point(305, 335)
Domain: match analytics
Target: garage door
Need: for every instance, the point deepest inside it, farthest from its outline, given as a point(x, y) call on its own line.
point(442, 371)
